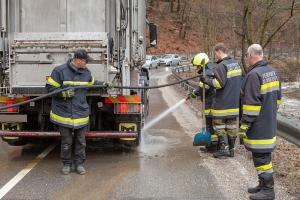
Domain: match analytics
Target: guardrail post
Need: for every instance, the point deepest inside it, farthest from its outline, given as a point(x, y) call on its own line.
point(186, 87)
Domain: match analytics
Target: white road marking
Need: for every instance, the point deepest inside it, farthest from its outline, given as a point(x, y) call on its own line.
point(15, 180)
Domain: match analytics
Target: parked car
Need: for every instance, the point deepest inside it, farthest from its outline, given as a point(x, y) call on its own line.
point(151, 62)
point(170, 59)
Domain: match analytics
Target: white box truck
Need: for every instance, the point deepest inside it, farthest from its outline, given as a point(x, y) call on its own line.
point(37, 35)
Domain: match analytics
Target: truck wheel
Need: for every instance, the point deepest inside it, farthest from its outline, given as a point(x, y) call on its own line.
point(15, 142)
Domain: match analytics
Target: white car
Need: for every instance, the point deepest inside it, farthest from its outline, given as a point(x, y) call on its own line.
point(151, 62)
point(170, 59)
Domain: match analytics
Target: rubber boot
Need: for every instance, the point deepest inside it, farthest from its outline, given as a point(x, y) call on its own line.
point(66, 169)
point(267, 190)
point(231, 141)
point(80, 170)
point(256, 189)
point(223, 149)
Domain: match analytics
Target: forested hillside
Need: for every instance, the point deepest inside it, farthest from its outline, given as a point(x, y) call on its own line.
point(196, 25)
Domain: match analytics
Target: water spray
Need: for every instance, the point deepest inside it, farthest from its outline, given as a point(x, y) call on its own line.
point(163, 114)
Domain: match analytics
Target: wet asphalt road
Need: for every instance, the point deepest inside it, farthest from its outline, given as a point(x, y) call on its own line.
point(164, 166)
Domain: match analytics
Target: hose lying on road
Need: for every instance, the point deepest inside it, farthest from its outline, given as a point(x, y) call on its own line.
point(95, 86)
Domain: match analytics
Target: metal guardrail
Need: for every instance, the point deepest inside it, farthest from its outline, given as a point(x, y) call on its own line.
point(286, 128)
point(188, 85)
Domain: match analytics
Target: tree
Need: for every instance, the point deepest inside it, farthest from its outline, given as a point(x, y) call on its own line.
point(185, 18)
point(262, 21)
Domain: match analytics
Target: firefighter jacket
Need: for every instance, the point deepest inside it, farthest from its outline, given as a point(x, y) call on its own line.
point(261, 95)
point(69, 112)
point(209, 91)
point(227, 81)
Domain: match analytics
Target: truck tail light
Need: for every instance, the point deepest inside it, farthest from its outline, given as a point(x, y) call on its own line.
point(8, 110)
point(8, 101)
point(127, 108)
point(12, 109)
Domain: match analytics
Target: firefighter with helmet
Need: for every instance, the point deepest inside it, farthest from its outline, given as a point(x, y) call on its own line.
point(200, 61)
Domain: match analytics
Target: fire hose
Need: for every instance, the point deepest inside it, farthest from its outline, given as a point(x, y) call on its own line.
point(96, 86)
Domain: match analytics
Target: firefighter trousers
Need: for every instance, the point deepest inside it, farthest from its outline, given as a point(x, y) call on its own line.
point(225, 126)
point(209, 124)
point(263, 164)
point(72, 143)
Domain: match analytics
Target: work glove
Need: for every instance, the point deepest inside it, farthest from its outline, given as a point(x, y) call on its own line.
point(108, 85)
point(68, 93)
point(191, 95)
point(204, 79)
point(242, 132)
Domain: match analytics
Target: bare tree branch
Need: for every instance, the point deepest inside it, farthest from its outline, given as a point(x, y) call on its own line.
point(280, 26)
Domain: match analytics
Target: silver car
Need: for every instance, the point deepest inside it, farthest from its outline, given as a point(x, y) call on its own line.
point(151, 62)
point(170, 59)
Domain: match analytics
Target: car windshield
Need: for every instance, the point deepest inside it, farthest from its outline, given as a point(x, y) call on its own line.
point(167, 56)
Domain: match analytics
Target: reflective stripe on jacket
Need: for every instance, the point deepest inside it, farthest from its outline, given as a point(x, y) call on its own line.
point(69, 112)
point(261, 94)
point(227, 81)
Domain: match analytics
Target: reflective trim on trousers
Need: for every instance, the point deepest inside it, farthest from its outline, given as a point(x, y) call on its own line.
point(268, 168)
point(269, 171)
point(265, 167)
point(220, 127)
point(214, 138)
point(231, 126)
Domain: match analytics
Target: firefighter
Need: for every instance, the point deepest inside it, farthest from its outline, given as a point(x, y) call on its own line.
point(199, 61)
point(225, 107)
point(261, 96)
point(70, 110)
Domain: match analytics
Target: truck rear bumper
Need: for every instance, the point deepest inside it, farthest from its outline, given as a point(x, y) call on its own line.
point(91, 134)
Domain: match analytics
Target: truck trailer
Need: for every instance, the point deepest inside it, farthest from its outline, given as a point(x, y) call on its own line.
point(38, 35)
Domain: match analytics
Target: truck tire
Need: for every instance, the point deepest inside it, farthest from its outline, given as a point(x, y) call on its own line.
point(15, 142)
